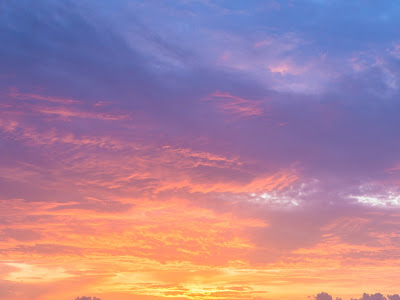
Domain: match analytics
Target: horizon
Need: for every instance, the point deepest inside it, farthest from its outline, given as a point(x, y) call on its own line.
point(319, 296)
point(199, 149)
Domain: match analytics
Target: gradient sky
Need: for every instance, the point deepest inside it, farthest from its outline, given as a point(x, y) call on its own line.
point(199, 149)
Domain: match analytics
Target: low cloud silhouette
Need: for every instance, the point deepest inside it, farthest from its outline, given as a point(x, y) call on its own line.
point(378, 296)
point(325, 296)
point(365, 296)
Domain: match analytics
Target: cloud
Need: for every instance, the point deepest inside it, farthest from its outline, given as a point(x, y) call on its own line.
point(323, 296)
point(236, 105)
point(377, 296)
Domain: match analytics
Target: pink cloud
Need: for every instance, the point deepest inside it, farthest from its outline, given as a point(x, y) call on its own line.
point(236, 105)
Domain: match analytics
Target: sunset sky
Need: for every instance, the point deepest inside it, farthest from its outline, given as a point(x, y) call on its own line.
point(199, 149)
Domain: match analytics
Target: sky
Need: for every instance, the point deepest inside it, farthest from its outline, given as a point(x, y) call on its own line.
point(199, 149)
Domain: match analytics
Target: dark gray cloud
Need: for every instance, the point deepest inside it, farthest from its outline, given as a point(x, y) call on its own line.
point(365, 296)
